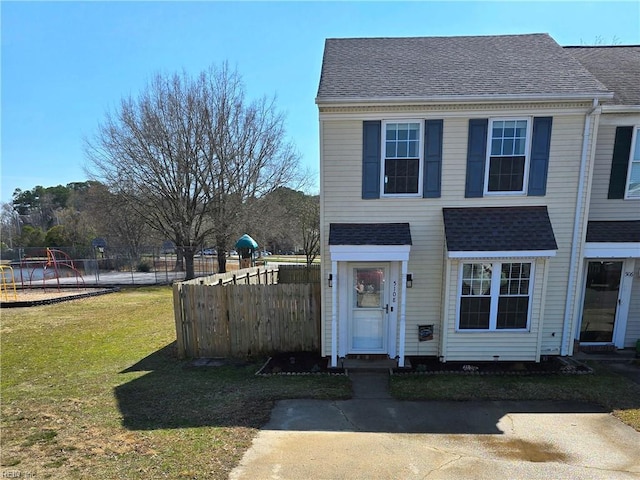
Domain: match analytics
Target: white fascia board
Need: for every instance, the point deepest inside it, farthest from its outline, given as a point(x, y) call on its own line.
point(612, 250)
point(369, 253)
point(356, 101)
point(504, 254)
point(444, 110)
point(620, 108)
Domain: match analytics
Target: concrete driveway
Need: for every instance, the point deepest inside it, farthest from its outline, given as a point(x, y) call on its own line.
point(375, 437)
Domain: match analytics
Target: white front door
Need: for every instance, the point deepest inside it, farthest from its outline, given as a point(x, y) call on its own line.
point(368, 308)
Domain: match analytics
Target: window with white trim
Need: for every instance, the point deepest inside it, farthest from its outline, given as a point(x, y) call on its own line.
point(495, 296)
point(508, 156)
point(633, 175)
point(402, 157)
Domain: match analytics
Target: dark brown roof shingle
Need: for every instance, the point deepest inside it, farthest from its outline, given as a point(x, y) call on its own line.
point(495, 229)
point(432, 67)
point(617, 67)
point(369, 234)
point(614, 232)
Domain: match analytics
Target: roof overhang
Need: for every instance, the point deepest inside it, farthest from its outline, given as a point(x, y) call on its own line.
point(369, 242)
point(421, 100)
point(498, 232)
point(613, 232)
point(504, 254)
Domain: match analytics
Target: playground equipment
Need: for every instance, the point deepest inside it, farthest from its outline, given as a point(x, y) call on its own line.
point(246, 247)
point(8, 283)
point(50, 267)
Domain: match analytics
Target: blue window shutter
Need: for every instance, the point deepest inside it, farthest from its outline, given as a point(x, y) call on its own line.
point(371, 131)
point(539, 162)
point(476, 157)
point(432, 171)
point(620, 162)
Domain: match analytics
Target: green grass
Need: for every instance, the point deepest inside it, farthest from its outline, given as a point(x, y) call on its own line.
point(92, 389)
point(604, 387)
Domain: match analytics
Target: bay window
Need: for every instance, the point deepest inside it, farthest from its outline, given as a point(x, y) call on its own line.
point(495, 296)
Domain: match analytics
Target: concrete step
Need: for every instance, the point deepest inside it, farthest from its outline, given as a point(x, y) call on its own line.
point(377, 364)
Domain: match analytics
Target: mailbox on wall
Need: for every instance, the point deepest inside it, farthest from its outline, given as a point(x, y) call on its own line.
point(425, 332)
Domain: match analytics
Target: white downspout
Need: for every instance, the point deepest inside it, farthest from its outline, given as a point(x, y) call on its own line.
point(334, 314)
point(575, 246)
point(403, 314)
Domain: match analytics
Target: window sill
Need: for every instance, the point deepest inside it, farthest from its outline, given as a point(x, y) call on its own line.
point(501, 330)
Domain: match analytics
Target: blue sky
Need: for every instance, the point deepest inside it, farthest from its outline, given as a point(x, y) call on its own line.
point(64, 64)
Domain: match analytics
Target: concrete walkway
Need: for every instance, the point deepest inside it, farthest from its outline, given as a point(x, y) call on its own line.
point(373, 436)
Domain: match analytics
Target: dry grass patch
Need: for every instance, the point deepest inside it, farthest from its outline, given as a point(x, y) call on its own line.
point(92, 389)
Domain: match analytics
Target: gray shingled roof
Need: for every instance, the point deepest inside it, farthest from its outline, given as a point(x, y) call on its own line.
point(441, 67)
point(493, 229)
point(369, 234)
point(617, 67)
point(614, 231)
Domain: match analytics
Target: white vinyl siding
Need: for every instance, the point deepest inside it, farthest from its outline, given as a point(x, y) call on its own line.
point(600, 207)
point(341, 181)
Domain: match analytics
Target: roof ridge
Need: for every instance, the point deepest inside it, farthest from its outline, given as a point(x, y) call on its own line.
point(442, 36)
point(601, 46)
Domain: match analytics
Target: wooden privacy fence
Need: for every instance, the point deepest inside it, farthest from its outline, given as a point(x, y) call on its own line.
point(293, 273)
point(216, 317)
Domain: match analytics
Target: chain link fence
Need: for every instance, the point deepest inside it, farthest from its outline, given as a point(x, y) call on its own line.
point(41, 266)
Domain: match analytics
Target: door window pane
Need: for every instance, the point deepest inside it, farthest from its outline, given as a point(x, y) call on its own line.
point(369, 285)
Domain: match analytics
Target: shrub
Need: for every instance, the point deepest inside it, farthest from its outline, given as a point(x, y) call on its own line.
point(143, 266)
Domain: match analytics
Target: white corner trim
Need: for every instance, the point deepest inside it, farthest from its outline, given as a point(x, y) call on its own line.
point(503, 254)
point(612, 250)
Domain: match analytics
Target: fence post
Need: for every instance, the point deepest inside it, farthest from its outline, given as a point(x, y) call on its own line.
point(181, 319)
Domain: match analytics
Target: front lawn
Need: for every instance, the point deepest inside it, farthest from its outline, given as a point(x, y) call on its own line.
point(604, 387)
point(92, 389)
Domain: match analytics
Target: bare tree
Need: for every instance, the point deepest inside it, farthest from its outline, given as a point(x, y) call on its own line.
point(250, 156)
point(187, 153)
point(115, 219)
point(309, 224)
point(10, 226)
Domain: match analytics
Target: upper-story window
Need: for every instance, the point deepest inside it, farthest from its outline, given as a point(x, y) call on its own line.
point(402, 158)
point(508, 156)
point(633, 175)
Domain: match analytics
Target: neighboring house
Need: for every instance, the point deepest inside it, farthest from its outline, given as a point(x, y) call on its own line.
point(455, 175)
point(609, 306)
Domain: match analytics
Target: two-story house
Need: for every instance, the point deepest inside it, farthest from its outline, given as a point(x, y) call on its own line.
point(454, 177)
point(608, 310)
